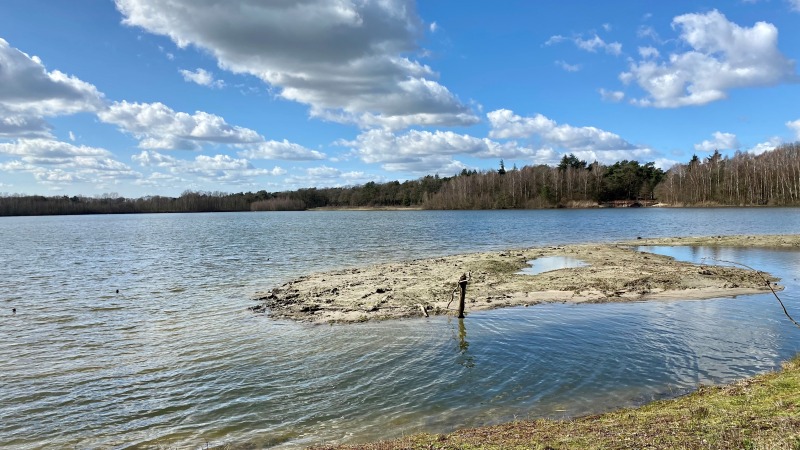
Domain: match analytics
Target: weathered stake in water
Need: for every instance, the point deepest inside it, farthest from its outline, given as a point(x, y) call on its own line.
point(462, 284)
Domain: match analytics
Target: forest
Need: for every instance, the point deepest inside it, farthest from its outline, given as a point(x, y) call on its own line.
point(769, 179)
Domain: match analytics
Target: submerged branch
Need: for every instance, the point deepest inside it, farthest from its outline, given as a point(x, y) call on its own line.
point(769, 285)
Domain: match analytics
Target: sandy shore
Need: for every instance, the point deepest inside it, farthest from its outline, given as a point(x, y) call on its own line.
point(614, 273)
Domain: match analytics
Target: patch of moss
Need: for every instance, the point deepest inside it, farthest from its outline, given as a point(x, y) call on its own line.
point(499, 267)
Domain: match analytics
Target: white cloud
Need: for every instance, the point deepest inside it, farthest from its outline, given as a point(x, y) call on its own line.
point(568, 67)
point(723, 56)
point(767, 146)
point(27, 88)
point(335, 174)
point(434, 27)
point(49, 149)
point(155, 159)
point(794, 126)
point(202, 77)
point(159, 127)
point(427, 152)
point(592, 44)
point(595, 43)
point(52, 161)
point(590, 143)
point(54, 176)
point(217, 168)
point(648, 52)
point(72, 136)
point(20, 126)
point(664, 163)
point(794, 4)
point(324, 176)
point(607, 27)
point(646, 31)
point(277, 171)
point(223, 168)
point(159, 180)
point(721, 141)
point(345, 59)
point(611, 96)
point(29, 93)
point(281, 150)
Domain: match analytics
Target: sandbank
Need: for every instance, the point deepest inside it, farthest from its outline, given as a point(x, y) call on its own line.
point(616, 272)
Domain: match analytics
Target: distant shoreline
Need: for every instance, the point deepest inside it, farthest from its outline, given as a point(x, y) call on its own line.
point(571, 206)
point(366, 208)
point(615, 273)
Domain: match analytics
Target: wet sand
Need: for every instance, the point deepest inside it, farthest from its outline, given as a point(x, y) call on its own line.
point(614, 273)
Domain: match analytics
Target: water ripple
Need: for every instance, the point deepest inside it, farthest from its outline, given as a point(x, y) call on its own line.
point(174, 359)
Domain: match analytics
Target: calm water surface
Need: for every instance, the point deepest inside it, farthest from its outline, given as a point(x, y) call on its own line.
point(175, 359)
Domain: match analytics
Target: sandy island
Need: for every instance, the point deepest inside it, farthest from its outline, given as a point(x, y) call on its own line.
point(614, 273)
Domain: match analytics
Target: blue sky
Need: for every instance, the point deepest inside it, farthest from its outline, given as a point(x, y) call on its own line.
point(149, 97)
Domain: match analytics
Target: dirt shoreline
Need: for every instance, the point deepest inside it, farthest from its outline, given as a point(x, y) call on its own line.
point(615, 272)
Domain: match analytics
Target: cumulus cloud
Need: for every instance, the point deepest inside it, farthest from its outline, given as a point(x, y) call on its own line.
point(649, 52)
point(159, 127)
point(589, 143)
point(33, 149)
point(29, 93)
point(217, 168)
point(723, 56)
point(324, 176)
point(767, 146)
point(346, 59)
point(427, 152)
point(52, 161)
point(794, 126)
point(596, 43)
point(21, 126)
point(592, 44)
point(721, 141)
point(202, 77)
point(281, 150)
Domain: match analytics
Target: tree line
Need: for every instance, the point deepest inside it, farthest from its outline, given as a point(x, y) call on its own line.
point(189, 201)
point(772, 178)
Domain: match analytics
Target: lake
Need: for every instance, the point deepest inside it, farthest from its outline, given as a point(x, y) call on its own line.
point(133, 330)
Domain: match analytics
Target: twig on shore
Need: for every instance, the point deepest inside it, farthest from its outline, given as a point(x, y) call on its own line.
point(767, 282)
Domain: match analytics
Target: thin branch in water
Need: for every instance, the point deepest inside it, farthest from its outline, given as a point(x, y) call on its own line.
point(767, 282)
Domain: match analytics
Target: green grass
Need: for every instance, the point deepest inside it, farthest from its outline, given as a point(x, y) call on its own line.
point(501, 267)
point(756, 413)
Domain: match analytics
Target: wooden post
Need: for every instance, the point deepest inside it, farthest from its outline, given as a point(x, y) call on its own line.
point(462, 283)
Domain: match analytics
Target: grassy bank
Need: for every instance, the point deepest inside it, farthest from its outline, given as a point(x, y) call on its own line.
point(756, 413)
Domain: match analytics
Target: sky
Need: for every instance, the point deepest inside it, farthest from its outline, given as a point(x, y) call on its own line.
point(154, 97)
